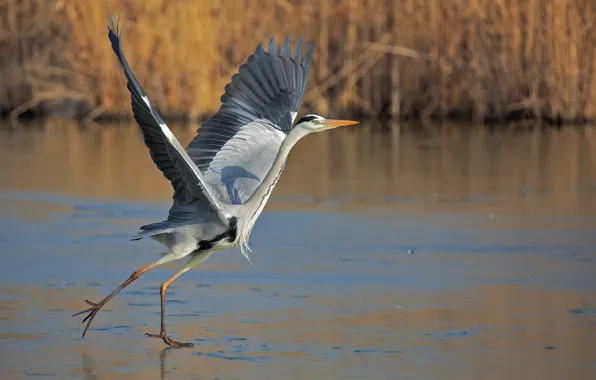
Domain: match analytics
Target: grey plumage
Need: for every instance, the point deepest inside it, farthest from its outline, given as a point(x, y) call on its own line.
point(191, 195)
point(233, 149)
point(262, 98)
point(225, 176)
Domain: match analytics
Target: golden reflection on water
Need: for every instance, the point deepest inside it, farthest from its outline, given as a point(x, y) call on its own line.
point(363, 165)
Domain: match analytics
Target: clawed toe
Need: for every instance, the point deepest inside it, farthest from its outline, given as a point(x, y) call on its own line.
point(169, 341)
point(95, 307)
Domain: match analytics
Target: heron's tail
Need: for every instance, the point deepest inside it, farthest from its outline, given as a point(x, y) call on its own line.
point(153, 230)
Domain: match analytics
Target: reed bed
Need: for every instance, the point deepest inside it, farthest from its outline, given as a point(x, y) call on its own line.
point(473, 59)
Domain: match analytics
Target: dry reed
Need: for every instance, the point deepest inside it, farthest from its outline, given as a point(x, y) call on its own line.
point(415, 58)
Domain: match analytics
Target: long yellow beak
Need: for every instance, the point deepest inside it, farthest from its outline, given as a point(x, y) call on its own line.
point(339, 123)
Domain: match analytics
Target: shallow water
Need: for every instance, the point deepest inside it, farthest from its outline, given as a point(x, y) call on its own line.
point(384, 252)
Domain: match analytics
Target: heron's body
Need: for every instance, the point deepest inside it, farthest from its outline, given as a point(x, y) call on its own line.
point(182, 240)
point(224, 177)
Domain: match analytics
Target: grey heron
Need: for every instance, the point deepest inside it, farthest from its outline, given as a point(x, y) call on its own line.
point(224, 177)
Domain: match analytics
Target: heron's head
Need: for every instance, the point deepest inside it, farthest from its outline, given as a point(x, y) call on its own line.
point(316, 123)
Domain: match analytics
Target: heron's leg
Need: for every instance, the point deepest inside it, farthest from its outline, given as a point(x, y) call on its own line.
point(194, 260)
point(95, 307)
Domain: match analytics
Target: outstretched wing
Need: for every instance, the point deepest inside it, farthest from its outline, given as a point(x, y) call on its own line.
point(191, 192)
point(235, 148)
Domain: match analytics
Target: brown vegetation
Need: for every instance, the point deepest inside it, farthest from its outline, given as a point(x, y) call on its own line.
point(432, 58)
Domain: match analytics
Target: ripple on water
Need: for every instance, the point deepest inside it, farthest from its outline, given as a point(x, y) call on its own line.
point(39, 374)
point(141, 304)
point(176, 301)
point(376, 351)
point(234, 338)
point(135, 293)
point(582, 311)
point(227, 356)
point(442, 336)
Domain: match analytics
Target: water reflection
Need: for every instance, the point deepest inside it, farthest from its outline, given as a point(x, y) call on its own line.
point(89, 370)
point(500, 284)
point(364, 165)
point(88, 367)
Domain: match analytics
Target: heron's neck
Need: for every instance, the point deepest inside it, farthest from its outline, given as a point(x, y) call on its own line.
point(259, 198)
point(251, 209)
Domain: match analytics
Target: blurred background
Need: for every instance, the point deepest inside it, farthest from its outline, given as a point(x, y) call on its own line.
point(451, 234)
point(478, 59)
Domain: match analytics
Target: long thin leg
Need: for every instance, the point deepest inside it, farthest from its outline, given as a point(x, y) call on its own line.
point(195, 260)
point(95, 307)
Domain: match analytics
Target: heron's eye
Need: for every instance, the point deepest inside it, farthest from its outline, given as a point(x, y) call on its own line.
point(315, 121)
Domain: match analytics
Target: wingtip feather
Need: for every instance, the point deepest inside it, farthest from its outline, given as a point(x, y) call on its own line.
point(285, 47)
point(260, 49)
point(272, 49)
point(114, 26)
point(298, 50)
point(306, 61)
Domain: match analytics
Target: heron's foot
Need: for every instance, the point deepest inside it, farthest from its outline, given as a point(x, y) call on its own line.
point(95, 307)
point(169, 341)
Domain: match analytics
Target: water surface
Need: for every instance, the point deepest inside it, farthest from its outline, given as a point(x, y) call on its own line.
point(385, 252)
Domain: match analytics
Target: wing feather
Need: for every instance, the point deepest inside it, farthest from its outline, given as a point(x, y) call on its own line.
point(258, 108)
point(170, 157)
